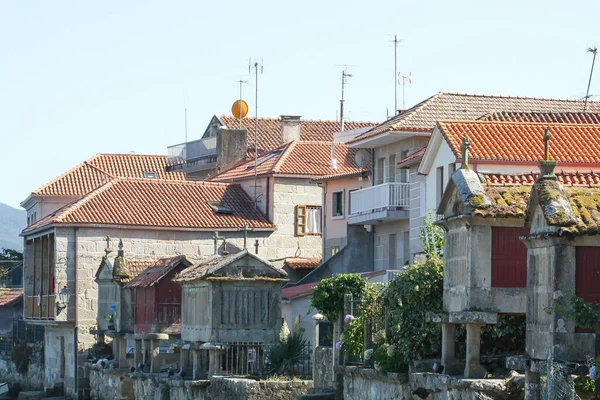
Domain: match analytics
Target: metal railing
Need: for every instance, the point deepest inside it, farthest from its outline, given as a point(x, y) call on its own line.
point(380, 197)
point(252, 359)
point(184, 152)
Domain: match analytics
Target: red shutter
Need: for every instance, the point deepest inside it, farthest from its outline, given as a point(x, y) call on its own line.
point(587, 275)
point(509, 257)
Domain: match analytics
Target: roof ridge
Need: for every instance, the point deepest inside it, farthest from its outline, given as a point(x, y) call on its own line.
point(488, 122)
point(169, 181)
point(86, 162)
point(128, 155)
point(84, 200)
point(304, 120)
point(515, 97)
point(69, 171)
point(285, 154)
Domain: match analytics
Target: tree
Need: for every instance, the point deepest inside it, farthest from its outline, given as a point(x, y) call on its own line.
point(9, 260)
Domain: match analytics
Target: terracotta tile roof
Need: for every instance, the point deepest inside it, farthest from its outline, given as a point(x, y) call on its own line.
point(304, 264)
point(269, 130)
point(591, 179)
point(293, 292)
point(412, 159)
point(157, 270)
point(515, 141)
point(454, 106)
point(101, 168)
point(364, 173)
point(10, 296)
point(553, 117)
point(136, 267)
point(160, 204)
point(312, 159)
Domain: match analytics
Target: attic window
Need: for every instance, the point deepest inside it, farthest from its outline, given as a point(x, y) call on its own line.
point(150, 175)
point(267, 157)
point(219, 207)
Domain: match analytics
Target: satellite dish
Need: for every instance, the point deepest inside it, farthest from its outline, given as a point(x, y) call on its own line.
point(362, 158)
point(239, 109)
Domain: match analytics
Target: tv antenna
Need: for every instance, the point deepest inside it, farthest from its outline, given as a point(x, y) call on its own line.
point(185, 115)
point(396, 41)
point(258, 66)
point(404, 79)
point(241, 82)
point(587, 93)
point(345, 76)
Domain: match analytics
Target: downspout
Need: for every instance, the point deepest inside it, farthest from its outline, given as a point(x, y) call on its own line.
point(268, 199)
point(75, 339)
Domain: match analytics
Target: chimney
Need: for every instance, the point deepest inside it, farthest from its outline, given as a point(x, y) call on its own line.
point(290, 128)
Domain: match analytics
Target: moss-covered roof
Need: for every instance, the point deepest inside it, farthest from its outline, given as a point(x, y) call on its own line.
point(575, 209)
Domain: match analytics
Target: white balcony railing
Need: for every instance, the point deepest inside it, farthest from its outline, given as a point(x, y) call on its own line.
point(192, 150)
point(380, 197)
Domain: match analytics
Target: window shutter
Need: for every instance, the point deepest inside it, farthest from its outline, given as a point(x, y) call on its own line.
point(301, 220)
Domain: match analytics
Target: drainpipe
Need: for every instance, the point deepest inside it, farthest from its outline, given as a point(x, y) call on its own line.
point(75, 339)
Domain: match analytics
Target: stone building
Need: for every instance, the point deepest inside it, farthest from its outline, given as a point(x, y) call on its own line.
point(227, 141)
point(282, 183)
point(154, 219)
point(240, 296)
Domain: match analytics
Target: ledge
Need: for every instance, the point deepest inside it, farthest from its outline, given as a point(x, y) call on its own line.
point(373, 374)
point(463, 317)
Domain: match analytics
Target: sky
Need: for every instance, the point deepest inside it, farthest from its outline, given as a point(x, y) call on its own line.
point(80, 78)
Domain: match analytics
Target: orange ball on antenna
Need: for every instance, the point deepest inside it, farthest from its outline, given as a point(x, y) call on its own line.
point(239, 109)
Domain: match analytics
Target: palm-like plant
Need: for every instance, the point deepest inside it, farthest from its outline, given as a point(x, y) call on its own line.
point(287, 352)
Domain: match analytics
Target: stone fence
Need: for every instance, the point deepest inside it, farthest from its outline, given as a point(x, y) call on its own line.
point(110, 384)
point(366, 383)
point(29, 375)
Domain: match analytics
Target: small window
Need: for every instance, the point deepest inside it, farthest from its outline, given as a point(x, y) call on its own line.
point(265, 158)
point(334, 250)
point(150, 175)
point(219, 207)
point(308, 220)
point(28, 220)
point(379, 171)
point(337, 204)
point(439, 184)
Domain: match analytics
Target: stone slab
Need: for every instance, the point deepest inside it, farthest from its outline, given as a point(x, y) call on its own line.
point(463, 317)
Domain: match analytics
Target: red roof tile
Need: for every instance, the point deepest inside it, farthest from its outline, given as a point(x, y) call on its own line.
point(585, 179)
point(454, 106)
point(296, 158)
point(304, 264)
point(157, 270)
point(293, 292)
point(514, 141)
point(10, 296)
point(101, 168)
point(159, 203)
point(412, 159)
point(554, 117)
point(269, 130)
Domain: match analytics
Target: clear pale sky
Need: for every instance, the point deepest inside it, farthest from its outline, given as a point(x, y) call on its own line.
point(84, 77)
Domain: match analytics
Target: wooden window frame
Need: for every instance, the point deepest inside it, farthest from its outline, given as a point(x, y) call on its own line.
point(301, 213)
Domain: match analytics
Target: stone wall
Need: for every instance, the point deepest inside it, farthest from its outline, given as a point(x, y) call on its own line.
point(362, 383)
point(247, 389)
point(322, 370)
point(33, 379)
point(110, 384)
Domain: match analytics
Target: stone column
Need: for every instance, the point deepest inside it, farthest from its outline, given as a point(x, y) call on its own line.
point(145, 352)
point(532, 385)
point(196, 364)
point(214, 361)
point(449, 349)
point(184, 358)
point(473, 369)
point(137, 352)
point(123, 353)
point(154, 356)
point(317, 318)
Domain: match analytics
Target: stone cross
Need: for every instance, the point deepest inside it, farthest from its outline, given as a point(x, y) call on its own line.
point(216, 239)
point(107, 251)
point(246, 229)
point(546, 144)
point(256, 247)
point(464, 148)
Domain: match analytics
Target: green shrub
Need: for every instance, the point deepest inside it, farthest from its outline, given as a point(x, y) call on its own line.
point(328, 296)
point(287, 351)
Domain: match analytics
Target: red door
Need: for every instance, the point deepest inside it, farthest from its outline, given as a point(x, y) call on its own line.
point(509, 257)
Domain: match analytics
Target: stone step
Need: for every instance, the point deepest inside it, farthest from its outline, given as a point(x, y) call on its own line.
point(317, 396)
point(32, 395)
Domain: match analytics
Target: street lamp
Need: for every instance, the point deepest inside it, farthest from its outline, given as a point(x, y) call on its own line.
point(63, 299)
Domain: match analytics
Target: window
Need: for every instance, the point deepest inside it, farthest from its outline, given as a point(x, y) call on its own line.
point(219, 207)
point(337, 204)
point(334, 250)
point(150, 175)
point(391, 169)
point(350, 200)
point(379, 171)
point(392, 251)
point(451, 169)
point(265, 158)
point(406, 250)
point(308, 220)
point(439, 184)
point(28, 220)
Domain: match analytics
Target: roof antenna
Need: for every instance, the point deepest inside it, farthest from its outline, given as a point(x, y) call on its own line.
point(587, 94)
point(241, 82)
point(345, 76)
point(396, 42)
point(404, 79)
point(185, 115)
point(257, 65)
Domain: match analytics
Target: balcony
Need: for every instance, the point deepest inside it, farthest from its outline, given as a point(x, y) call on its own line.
point(40, 307)
point(198, 154)
point(378, 204)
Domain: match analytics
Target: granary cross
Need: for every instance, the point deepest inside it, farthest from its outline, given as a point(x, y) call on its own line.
point(546, 144)
point(246, 229)
point(464, 148)
point(216, 239)
point(107, 251)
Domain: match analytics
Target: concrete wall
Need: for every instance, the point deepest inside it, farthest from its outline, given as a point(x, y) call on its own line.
point(384, 240)
point(300, 308)
point(232, 147)
point(355, 257)
point(334, 228)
